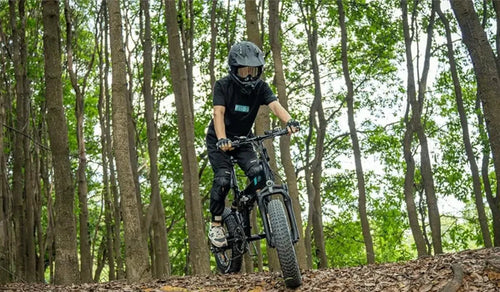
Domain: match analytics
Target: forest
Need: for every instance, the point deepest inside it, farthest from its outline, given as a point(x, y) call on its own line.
point(104, 106)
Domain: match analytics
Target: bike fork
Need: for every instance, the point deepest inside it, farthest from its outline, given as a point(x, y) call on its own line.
point(263, 199)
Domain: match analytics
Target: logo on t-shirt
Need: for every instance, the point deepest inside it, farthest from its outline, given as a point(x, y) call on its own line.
point(242, 108)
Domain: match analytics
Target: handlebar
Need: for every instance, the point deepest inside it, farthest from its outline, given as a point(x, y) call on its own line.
point(267, 135)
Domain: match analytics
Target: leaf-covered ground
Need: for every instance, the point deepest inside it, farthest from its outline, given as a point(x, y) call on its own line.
point(474, 270)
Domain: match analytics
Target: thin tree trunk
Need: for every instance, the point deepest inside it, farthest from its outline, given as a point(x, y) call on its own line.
point(492, 201)
point(213, 40)
point(187, 37)
point(4, 192)
point(50, 241)
point(29, 207)
point(426, 167)
point(101, 43)
point(85, 257)
point(488, 86)
point(314, 172)
point(135, 244)
point(47, 243)
point(161, 263)
point(409, 189)
point(66, 270)
point(485, 172)
point(116, 213)
point(131, 123)
point(496, 7)
point(19, 60)
point(309, 227)
point(286, 157)
point(263, 120)
point(108, 205)
point(365, 225)
point(100, 259)
point(476, 179)
point(38, 156)
point(199, 254)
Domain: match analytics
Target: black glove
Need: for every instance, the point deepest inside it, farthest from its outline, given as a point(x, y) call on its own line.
point(223, 142)
point(293, 124)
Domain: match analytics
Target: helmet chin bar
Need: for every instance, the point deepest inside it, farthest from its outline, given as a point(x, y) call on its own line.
point(246, 86)
point(248, 78)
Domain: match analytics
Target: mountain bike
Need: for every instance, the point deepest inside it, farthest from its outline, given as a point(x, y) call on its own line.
point(276, 210)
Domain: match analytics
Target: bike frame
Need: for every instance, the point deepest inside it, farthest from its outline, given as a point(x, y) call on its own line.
point(243, 203)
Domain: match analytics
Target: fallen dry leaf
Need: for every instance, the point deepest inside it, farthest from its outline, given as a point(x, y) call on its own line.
point(480, 273)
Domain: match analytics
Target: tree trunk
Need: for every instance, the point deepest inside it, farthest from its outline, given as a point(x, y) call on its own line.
point(409, 189)
point(131, 123)
point(161, 263)
point(496, 7)
point(109, 191)
point(476, 179)
point(488, 86)
point(4, 191)
point(108, 202)
point(314, 169)
point(286, 157)
point(263, 120)
point(29, 207)
point(426, 167)
point(485, 174)
point(198, 247)
point(213, 40)
point(19, 60)
point(135, 244)
point(116, 213)
point(187, 36)
point(85, 257)
point(66, 269)
point(365, 225)
point(38, 158)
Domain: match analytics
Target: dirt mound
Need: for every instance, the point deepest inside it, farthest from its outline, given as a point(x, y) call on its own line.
point(473, 270)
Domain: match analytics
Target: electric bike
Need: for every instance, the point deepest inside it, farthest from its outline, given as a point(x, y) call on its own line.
point(276, 211)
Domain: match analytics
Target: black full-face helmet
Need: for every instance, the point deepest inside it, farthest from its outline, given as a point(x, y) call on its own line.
point(245, 54)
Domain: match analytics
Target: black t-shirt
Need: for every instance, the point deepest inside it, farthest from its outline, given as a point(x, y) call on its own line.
point(241, 109)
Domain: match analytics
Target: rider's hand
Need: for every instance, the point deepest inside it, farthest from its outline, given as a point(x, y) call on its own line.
point(224, 144)
point(292, 126)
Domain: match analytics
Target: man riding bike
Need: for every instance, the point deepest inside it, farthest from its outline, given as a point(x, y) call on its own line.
point(237, 98)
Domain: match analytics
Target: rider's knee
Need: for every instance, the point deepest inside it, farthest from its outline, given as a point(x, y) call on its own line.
point(220, 186)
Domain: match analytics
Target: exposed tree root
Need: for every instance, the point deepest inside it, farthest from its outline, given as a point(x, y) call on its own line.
point(456, 282)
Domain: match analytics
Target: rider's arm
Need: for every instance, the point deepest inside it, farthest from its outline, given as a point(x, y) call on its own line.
point(282, 114)
point(279, 111)
point(220, 127)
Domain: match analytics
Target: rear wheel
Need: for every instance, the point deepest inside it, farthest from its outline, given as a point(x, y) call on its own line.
point(229, 258)
point(282, 239)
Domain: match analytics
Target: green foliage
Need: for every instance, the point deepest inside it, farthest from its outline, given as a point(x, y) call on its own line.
point(390, 226)
point(345, 246)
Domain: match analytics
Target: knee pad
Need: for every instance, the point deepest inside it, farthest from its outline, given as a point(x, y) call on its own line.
point(220, 186)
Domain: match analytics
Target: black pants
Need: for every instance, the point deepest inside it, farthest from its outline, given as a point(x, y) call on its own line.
point(221, 165)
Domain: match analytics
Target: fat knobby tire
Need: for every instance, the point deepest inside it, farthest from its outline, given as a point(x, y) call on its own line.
point(229, 260)
point(283, 242)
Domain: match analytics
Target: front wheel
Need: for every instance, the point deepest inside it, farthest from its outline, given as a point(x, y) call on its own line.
point(229, 258)
point(282, 239)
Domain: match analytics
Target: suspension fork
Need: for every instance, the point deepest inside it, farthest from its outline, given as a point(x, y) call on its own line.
point(264, 197)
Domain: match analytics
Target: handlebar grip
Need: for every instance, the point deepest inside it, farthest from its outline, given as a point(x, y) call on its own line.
point(276, 132)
